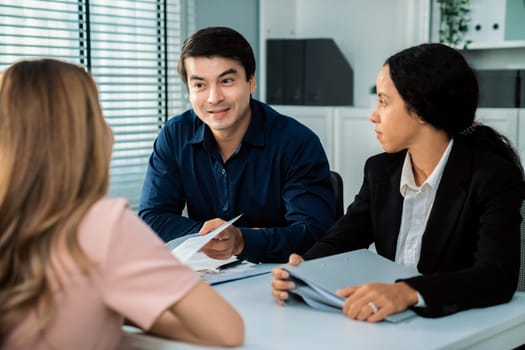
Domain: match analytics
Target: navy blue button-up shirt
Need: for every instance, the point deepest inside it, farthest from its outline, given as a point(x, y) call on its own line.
point(279, 178)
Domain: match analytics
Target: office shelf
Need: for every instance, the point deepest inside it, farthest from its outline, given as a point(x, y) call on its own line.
point(496, 45)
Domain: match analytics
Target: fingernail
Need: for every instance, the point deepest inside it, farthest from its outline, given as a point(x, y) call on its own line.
point(283, 295)
point(294, 260)
point(286, 275)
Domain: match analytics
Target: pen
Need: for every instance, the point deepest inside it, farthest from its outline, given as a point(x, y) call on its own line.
point(229, 265)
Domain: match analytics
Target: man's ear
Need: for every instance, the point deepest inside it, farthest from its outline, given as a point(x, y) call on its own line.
point(253, 84)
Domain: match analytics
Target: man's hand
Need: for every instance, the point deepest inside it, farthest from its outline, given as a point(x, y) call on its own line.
point(227, 243)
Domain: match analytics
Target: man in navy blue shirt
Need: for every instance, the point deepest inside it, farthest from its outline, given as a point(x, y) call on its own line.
point(231, 154)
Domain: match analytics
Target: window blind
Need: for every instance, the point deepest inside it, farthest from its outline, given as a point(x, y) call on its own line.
point(34, 29)
point(130, 46)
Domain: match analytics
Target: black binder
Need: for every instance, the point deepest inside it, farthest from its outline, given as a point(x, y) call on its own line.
point(521, 78)
point(498, 88)
point(294, 69)
point(307, 72)
point(275, 77)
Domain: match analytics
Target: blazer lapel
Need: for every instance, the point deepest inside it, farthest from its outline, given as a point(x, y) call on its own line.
point(447, 207)
point(390, 205)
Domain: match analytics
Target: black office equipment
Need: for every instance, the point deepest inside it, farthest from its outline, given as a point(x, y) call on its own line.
point(294, 76)
point(499, 88)
point(308, 72)
point(275, 57)
point(521, 78)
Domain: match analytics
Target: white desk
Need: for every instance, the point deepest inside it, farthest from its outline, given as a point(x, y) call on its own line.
point(296, 326)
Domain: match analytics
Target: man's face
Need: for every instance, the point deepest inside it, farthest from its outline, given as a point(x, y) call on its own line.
point(219, 92)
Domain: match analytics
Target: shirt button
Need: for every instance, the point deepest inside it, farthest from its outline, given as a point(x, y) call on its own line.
point(225, 208)
point(223, 171)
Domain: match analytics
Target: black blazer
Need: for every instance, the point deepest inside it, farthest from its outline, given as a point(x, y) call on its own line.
point(470, 250)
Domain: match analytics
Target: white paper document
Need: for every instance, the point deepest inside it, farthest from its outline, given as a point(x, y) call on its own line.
point(202, 263)
point(193, 244)
point(216, 271)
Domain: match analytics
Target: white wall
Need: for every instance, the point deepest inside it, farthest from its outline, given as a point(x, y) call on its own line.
point(367, 32)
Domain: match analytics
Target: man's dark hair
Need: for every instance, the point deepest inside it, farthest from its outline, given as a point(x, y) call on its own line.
point(217, 41)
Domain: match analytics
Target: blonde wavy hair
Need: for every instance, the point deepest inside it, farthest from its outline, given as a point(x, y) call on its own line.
point(54, 165)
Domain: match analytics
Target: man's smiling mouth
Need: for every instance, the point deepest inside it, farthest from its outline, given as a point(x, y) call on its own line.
point(218, 111)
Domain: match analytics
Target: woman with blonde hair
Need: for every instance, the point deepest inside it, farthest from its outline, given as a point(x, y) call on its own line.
point(74, 264)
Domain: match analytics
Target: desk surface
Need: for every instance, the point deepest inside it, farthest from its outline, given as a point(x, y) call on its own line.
point(296, 326)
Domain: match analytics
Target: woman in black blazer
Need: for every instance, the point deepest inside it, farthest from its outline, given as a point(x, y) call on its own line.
point(444, 197)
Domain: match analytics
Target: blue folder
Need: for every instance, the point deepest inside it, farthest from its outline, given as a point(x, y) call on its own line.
point(317, 280)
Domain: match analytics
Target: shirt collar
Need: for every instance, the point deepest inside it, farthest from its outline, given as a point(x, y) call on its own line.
point(199, 129)
point(257, 128)
point(407, 175)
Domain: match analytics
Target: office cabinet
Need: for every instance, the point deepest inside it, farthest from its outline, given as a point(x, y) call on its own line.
point(491, 24)
point(354, 142)
point(347, 136)
point(487, 21)
point(514, 15)
point(504, 120)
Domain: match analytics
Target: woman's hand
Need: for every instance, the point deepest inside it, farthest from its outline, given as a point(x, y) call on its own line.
point(373, 302)
point(280, 284)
